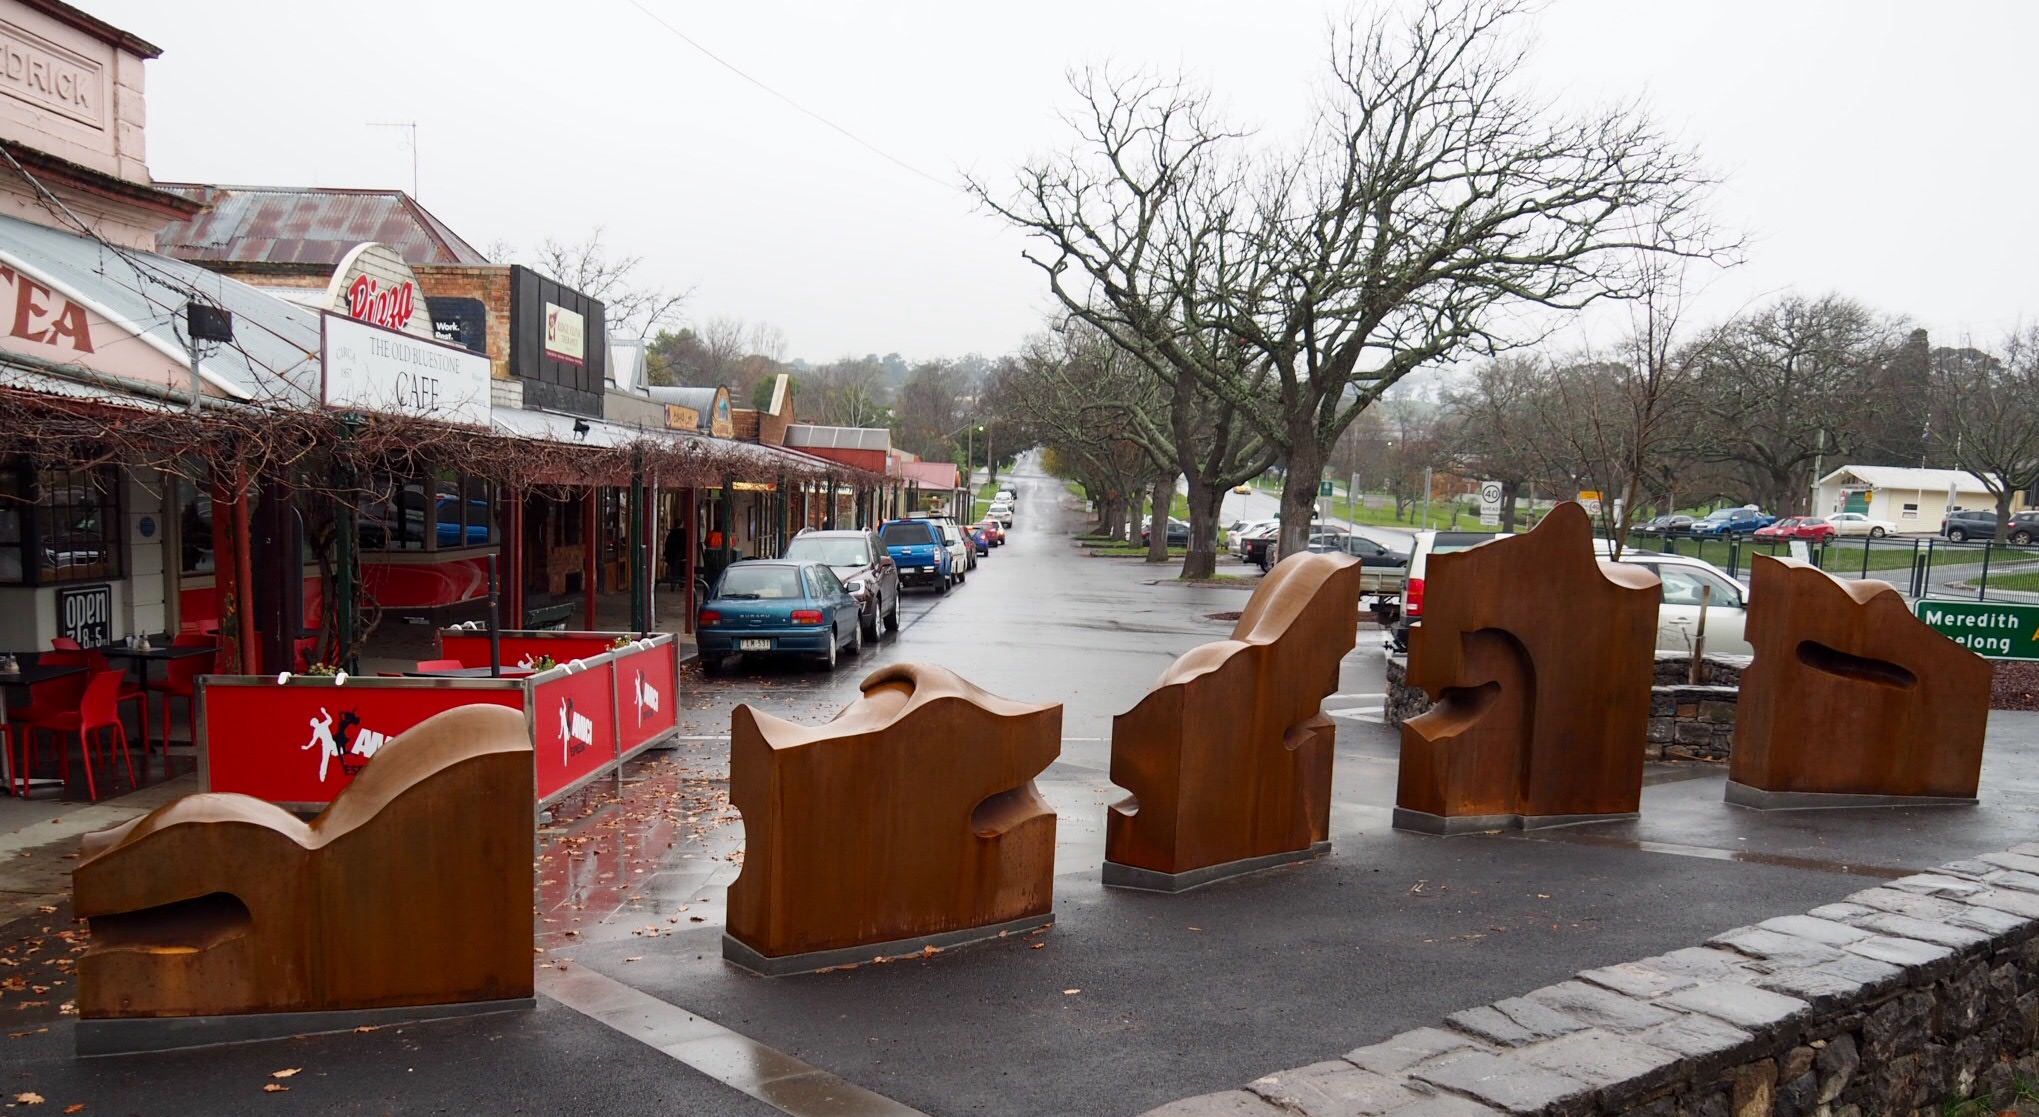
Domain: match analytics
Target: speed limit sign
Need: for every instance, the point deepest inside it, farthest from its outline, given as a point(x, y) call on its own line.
point(1490, 502)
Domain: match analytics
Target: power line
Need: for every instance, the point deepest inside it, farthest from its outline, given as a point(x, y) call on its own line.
point(846, 133)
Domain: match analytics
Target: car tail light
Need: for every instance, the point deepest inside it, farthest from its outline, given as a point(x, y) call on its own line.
point(1412, 597)
point(709, 616)
point(806, 616)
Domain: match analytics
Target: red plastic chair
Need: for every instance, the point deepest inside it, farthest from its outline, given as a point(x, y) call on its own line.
point(440, 665)
point(49, 698)
point(180, 680)
point(64, 650)
point(98, 710)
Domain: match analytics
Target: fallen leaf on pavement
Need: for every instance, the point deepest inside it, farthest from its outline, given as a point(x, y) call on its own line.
point(1071, 992)
point(75, 1107)
point(275, 1088)
point(29, 1098)
point(287, 1072)
point(1040, 946)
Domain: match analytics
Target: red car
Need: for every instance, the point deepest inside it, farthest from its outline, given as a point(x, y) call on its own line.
point(993, 534)
point(1811, 528)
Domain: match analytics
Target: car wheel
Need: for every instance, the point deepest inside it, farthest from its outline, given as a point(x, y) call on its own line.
point(711, 665)
point(869, 627)
point(857, 638)
point(1876, 533)
point(2021, 538)
point(892, 615)
point(830, 657)
point(1957, 535)
point(942, 584)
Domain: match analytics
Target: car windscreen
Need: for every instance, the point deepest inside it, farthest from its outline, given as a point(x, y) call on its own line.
point(766, 583)
point(1445, 544)
point(830, 552)
point(906, 535)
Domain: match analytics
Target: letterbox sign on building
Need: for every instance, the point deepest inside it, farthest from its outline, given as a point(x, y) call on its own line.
point(372, 284)
point(558, 344)
point(369, 368)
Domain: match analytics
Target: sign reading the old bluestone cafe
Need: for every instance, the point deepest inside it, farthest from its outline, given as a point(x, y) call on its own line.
point(369, 368)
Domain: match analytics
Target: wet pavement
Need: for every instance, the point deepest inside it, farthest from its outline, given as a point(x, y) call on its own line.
point(1129, 1001)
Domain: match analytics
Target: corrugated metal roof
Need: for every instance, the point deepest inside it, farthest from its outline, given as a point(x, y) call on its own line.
point(275, 354)
point(313, 226)
point(839, 438)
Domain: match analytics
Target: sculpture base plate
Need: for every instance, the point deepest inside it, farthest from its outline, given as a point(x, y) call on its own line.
point(738, 954)
point(1742, 795)
point(138, 1034)
point(1423, 822)
point(1150, 880)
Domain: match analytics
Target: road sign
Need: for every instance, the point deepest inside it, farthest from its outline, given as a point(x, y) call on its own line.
point(1327, 488)
point(1490, 503)
point(1591, 501)
point(1992, 629)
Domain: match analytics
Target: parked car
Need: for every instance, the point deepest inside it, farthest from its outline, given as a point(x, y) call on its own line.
point(1243, 489)
point(1964, 524)
point(1855, 523)
point(962, 555)
point(1340, 541)
point(1005, 495)
point(864, 567)
point(1247, 529)
point(2024, 528)
point(1727, 523)
point(1676, 523)
point(1002, 512)
point(1253, 548)
point(1810, 528)
point(917, 547)
point(1425, 544)
point(979, 545)
point(1687, 583)
point(774, 607)
point(1178, 533)
point(993, 533)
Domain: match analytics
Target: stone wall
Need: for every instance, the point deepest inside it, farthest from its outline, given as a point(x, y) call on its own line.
point(1896, 1001)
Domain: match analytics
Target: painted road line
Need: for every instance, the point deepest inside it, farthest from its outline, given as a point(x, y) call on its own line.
point(735, 1060)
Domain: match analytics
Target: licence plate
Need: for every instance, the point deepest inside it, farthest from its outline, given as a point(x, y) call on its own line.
point(753, 645)
point(913, 569)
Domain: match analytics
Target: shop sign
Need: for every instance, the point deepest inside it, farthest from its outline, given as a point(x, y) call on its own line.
point(1991, 629)
point(46, 75)
point(372, 369)
point(721, 426)
point(565, 335)
point(37, 314)
point(373, 284)
point(680, 418)
point(85, 614)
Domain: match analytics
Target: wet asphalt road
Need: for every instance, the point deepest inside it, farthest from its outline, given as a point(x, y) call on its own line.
point(1174, 995)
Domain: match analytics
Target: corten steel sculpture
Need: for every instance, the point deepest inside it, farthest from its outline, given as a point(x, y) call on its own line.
point(413, 888)
point(1538, 658)
point(1228, 758)
point(908, 821)
point(1851, 700)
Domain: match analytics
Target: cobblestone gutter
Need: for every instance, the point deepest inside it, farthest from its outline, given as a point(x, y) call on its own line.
point(1893, 1002)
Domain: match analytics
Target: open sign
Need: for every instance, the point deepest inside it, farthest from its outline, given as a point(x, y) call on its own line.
point(85, 614)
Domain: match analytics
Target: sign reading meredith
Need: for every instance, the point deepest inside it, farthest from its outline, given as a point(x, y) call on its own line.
point(1991, 629)
point(373, 369)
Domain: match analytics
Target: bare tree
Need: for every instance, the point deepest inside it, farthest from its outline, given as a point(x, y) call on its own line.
point(847, 393)
point(1428, 202)
point(631, 310)
point(1489, 430)
point(1985, 417)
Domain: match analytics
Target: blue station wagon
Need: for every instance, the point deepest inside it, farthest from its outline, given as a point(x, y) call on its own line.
point(773, 607)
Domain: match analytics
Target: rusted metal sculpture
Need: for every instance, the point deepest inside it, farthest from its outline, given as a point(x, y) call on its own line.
point(1851, 700)
point(1228, 758)
point(1538, 658)
point(413, 888)
point(909, 821)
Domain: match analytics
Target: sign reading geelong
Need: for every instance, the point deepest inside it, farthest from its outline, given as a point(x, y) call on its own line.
point(1992, 629)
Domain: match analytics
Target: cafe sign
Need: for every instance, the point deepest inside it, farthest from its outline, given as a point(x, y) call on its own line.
point(368, 368)
point(1991, 629)
point(373, 284)
point(85, 614)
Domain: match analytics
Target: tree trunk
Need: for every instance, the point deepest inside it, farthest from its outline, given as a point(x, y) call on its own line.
point(1202, 560)
point(2004, 499)
point(1299, 495)
point(1157, 518)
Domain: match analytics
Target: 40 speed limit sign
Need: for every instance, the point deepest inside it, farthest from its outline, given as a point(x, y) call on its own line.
point(1490, 502)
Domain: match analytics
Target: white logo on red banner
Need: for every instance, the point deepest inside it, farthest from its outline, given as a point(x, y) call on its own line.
point(647, 698)
point(348, 738)
point(576, 731)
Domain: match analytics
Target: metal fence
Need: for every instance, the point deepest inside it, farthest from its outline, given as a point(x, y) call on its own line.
point(1919, 566)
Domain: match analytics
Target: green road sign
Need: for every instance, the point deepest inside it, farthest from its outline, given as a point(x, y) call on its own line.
point(1992, 629)
point(1325, 488)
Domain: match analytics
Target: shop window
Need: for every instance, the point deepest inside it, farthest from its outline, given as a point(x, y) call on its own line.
point(59, 525)
point(194, 527)
point(443, 511)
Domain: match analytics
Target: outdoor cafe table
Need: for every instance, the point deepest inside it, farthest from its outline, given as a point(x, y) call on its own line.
point(164, 652)
point(29, 675)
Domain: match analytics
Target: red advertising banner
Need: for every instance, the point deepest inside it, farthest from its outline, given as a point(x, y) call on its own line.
point(573, 726)
point(647, 682)
point(301, 742)
point(471, 646)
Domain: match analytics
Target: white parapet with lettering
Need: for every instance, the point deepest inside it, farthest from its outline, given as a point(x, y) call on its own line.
point(368, 368)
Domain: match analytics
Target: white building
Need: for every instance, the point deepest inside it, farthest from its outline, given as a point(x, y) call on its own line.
point(1913, 499)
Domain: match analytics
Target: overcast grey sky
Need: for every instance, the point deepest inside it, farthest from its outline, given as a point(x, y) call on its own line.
point(1881, 149)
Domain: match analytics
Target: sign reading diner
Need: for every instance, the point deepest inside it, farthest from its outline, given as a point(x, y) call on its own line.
point(370, 368)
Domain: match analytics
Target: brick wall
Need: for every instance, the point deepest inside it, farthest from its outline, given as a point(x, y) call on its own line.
point(489, 283)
